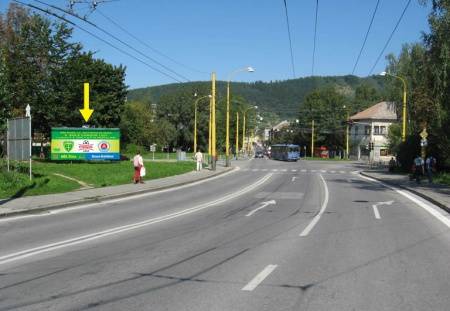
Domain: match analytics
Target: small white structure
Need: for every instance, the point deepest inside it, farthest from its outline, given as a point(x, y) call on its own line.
point(371, 126)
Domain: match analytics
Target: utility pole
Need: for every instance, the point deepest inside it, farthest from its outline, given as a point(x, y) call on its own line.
point(213, 117)
point(312, 139)
point(237, 135)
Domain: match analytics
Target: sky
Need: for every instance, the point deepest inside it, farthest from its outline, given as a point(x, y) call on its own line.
point(198, 37)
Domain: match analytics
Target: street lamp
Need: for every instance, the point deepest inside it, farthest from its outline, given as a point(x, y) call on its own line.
point(227, 142)
point(243, 125)
point(384, 73)
point(195, 118)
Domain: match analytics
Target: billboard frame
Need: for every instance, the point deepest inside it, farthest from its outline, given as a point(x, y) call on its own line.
point(88, 141)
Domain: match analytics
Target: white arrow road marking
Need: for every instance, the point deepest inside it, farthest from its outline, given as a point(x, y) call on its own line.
point(264, 204)
point(259, 278)
point(316, 219)
point(434, 212)
point(116, 230)
point(376, 212)
point(375, 208)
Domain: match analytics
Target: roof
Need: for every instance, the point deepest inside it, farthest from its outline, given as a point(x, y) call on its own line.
point(281, 125)
point(380, 111)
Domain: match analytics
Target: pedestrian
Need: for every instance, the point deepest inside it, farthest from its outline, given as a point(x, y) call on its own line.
point(138, 164)
point(199, 159)
point(392, 165)
point(430, 167)
point(418, 168)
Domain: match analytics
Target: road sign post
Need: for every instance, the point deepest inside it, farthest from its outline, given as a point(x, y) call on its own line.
point(152, 149)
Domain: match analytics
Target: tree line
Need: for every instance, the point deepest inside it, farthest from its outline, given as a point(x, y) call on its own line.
point(40, 66)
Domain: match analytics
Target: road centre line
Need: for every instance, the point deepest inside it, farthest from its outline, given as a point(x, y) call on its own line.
point(409, 196)
point(316, 218)
point(116, 230)
point(259, 278)
point(376, 212)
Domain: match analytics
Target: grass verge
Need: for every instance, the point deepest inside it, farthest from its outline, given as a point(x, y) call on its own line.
point(16, 183)
point(442, 178)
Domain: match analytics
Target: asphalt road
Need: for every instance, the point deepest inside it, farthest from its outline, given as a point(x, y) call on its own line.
point(269, 236)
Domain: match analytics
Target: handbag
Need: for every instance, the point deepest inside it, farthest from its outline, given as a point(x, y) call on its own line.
point(142, 172)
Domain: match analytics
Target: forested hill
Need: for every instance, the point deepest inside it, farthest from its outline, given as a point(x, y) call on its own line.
point(280, 97)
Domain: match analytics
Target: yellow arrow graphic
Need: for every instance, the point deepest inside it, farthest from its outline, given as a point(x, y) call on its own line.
point(86, 112)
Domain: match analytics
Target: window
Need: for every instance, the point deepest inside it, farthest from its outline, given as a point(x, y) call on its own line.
point(384, 152)
point(367, 130)
point(376, 130)
point(383, 130)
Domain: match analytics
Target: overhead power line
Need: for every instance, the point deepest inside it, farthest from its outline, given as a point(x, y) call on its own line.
point(390, 37)
point(114, 37)
point(290, 41)
point(315, 36)
point(365, 38)
point(47, 11)
point(146, 44)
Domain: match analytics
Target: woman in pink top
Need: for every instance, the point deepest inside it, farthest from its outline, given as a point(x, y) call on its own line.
point(138, 163)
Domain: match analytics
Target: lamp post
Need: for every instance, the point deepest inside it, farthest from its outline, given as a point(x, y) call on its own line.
point(195, 118)
point(213, 121)
point(227, 139)
point(384, 73)
point(243, 125)
point(312, 139)
point(236, 150)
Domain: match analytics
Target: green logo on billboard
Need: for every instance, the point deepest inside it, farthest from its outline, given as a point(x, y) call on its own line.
point(68, 145)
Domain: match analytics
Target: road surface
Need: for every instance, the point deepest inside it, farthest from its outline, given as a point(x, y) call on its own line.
point(269, 236)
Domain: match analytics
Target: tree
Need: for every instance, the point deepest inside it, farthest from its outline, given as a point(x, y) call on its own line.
point(365, 96)
point(40, 67)
point(326, 107)
point(138, 124)
point(438, 54)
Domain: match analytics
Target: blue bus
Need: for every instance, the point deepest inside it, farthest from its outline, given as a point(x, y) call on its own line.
point(285, 152)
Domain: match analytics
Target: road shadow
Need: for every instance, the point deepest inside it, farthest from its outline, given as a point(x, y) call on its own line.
point(22, 191)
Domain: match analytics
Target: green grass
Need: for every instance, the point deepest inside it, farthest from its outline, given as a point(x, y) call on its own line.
point(442, 178)
point(17, 183)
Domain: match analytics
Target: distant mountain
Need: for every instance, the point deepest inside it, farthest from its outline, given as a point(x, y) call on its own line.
point(280, 97)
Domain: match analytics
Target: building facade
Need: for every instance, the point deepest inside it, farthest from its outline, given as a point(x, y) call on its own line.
point(370, 127)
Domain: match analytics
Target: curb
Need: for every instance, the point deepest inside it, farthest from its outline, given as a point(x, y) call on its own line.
point(100, 199)
point(423, 196)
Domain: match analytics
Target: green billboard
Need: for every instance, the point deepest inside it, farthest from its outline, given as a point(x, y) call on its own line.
point(89, 144)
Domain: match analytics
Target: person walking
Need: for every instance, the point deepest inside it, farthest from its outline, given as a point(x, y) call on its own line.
point(392, 165)
point(430, 167)
point(419, 169)
point(199, 159)
point(138, 164)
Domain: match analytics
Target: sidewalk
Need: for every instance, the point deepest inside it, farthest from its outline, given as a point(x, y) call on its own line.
point(435, 193)
point(41, 203)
